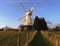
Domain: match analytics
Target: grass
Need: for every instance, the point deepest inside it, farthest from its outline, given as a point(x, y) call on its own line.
point(40, 40)
point(4, 34)
point(9, 38)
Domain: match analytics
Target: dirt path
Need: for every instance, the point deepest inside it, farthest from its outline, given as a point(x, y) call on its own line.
point(39, 40)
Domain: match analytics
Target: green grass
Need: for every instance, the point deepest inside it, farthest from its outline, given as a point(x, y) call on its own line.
point(7, 39)
point(10, 38)
point(4, 34)
point(40, 40)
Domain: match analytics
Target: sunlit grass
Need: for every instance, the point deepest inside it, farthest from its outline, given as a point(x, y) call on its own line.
point(4, 34)
point(11, 38)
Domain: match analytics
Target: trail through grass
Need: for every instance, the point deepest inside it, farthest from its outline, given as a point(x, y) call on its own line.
point(40, 40)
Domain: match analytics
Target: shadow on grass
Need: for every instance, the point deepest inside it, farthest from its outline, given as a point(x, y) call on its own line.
point(40, 40)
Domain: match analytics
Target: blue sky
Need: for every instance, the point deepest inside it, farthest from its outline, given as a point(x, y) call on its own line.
point(11, 11)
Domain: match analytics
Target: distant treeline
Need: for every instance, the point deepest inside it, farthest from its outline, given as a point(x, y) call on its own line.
point(8, 29)
point(57, 28)
point(2, 29)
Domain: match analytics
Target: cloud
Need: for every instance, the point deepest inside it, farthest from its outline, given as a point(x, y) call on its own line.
point(23, 1)
point(13, 1)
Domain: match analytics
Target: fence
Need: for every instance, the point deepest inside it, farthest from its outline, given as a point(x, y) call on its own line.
point(53, 37)
point(18, 40)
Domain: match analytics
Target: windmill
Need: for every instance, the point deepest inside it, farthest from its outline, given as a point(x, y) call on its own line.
point(27, 17)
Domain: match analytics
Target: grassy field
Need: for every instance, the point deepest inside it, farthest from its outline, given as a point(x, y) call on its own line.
point(10, 38)
point(53, 37)
point(15, 38)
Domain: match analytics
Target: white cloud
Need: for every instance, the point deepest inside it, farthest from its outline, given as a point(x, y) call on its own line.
point(13, 1)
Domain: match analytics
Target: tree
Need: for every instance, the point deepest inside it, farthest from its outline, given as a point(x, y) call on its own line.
point(44, 24)
point(37, 23)
point(6, 28)
point(20, 27)
point(40, 23)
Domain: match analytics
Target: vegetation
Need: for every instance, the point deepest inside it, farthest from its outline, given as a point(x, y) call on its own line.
point(9, 38)
point(40, 40)
point(40, 23)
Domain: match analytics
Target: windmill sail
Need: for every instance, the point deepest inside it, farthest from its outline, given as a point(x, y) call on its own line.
point(22, 18)
point(23, 7)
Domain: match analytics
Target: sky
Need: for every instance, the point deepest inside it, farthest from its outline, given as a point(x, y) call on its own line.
point(11, 11)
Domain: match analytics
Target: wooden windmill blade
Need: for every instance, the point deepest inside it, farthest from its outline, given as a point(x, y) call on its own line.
point(23, 7)
point(21, 18)
point(24, 11)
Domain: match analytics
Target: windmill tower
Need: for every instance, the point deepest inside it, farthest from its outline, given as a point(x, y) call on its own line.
point(27, 16)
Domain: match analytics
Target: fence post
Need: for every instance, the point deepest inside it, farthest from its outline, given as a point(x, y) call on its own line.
point(27, 37)
point(0, 43)
point(58, 41)
point(18, 40)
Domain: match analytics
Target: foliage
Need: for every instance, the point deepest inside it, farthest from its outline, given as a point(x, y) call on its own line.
point(40, 23)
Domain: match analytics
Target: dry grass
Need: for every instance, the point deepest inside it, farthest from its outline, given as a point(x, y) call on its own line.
point(4, 34)
point(10, 38)
point(53, 36)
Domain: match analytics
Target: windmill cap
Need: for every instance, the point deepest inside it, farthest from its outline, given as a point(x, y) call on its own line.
point(32, 8)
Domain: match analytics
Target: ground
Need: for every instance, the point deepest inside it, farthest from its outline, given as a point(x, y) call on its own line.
point(40, 40)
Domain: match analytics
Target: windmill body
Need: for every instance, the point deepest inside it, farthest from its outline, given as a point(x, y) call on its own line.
point(28, 17)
